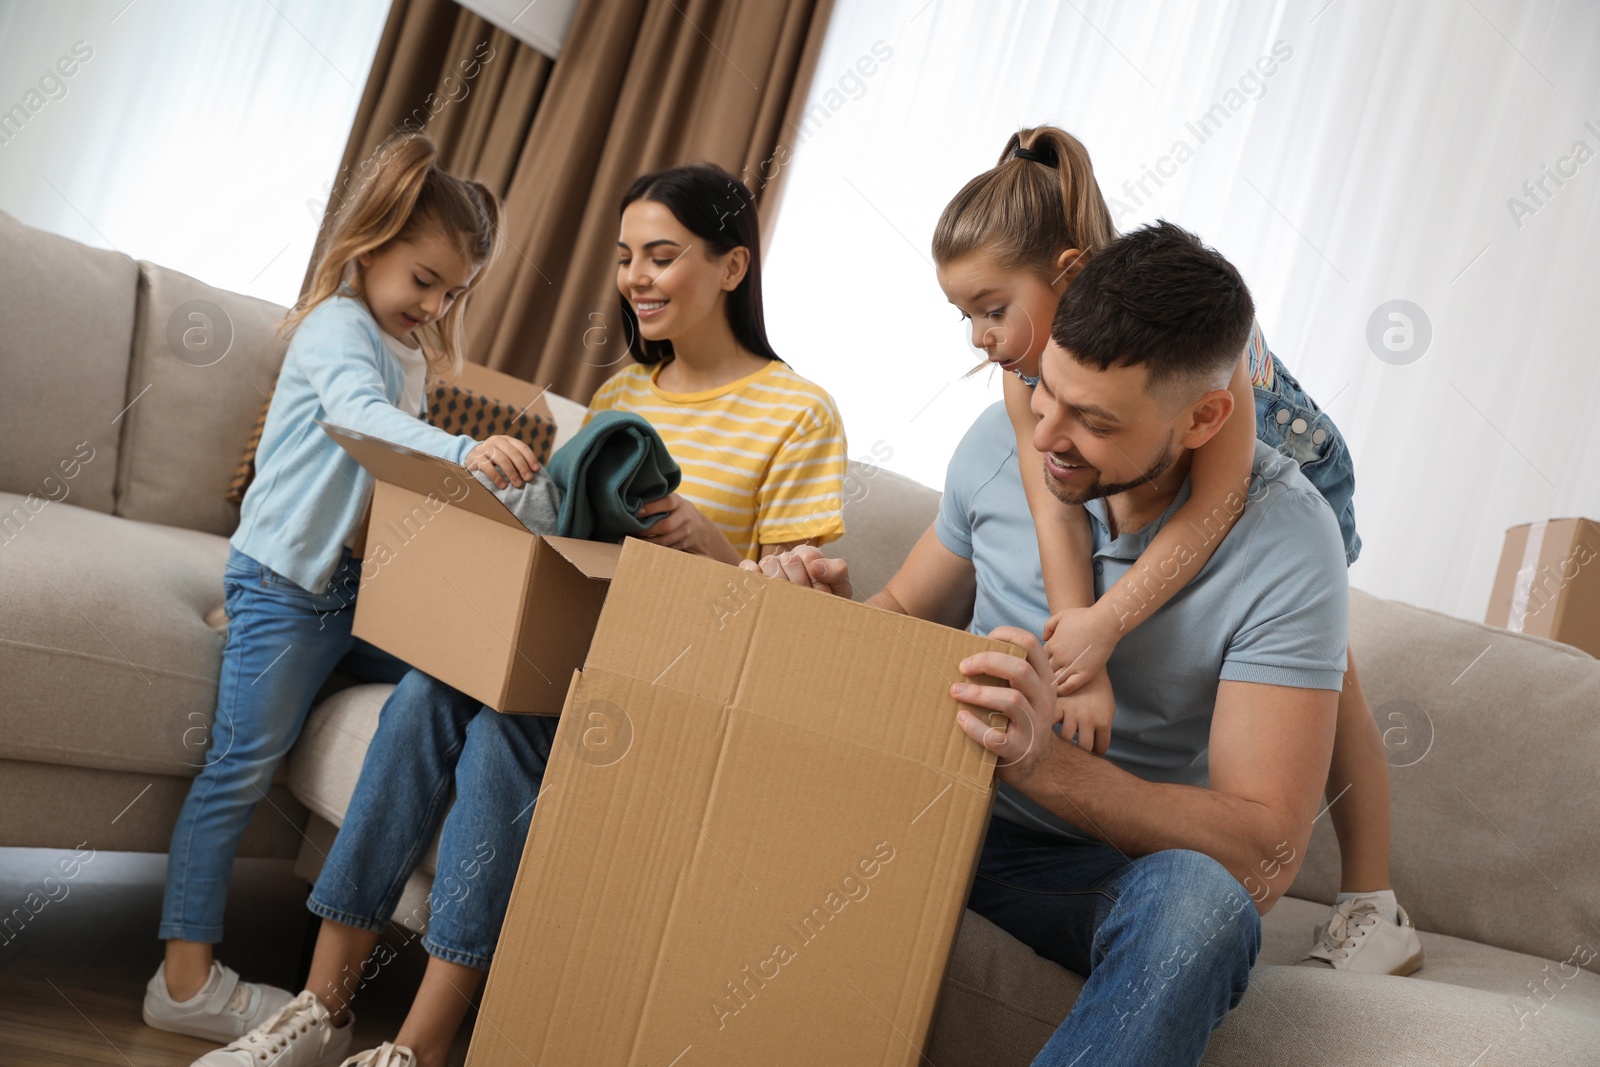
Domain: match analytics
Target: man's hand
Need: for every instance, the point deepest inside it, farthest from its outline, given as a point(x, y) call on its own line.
point(504, 459)
point(806, 566)
point(1028, 702)
point(1086, 714)
point(1079, 643)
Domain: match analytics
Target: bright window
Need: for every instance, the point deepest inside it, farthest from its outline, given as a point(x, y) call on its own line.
point(198, 135)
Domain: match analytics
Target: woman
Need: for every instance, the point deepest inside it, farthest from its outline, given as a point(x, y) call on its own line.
point(763, 457)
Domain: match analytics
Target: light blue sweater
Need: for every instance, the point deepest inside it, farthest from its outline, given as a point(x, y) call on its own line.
point(309, 495)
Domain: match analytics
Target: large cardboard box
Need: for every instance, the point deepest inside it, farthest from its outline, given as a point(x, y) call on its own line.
point(455, 585)
point(755, 838)
point(1548, 583)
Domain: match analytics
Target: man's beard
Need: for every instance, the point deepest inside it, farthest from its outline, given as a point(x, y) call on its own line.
point(1095, 490)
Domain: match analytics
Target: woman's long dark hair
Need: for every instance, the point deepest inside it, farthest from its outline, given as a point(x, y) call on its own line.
point(719, 209)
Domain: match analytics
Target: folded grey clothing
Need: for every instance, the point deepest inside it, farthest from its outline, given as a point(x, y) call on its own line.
point(536, 503)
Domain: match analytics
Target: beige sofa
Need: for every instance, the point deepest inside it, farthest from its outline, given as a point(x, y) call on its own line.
point(121, 419)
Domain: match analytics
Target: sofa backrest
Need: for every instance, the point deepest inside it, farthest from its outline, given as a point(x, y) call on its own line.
point(64, 355)
point(204, 363)
point(140, 380)
point(884, 514)
point(1493, 740)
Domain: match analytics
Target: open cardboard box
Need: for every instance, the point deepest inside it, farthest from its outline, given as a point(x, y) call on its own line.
point(455, 585)
point(526, 397)
point(755, 837)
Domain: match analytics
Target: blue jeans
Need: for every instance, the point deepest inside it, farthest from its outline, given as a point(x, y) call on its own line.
point(429, 738)
point(1290, 421)
point(1166, 941)
point(282, 644)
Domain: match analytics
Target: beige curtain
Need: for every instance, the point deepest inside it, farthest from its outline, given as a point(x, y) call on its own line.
point(640, 84)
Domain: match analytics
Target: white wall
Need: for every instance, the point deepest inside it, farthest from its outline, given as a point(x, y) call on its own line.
point(1374, 164)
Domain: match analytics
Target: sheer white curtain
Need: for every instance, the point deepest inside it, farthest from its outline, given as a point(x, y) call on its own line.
point(1342, 154)
point(196, 134)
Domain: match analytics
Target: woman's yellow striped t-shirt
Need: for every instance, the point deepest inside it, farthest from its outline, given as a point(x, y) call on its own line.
point(763, 457)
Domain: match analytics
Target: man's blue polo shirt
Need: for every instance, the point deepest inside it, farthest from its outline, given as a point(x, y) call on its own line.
point(1271, 605)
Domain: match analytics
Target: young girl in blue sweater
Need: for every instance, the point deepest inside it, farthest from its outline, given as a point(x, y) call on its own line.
point(385, 307)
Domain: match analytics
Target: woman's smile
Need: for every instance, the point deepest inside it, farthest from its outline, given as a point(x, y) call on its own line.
point(649, 309)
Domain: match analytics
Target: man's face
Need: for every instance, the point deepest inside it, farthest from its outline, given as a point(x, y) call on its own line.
point(1101, 432)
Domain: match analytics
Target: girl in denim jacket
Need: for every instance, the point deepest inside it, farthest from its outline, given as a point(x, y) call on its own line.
point(1006, 248)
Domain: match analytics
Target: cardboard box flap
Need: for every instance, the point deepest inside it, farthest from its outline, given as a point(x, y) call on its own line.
point(811, 666)
point(704, 651)
point(593, 559)
point(794, 654)
point(708, 888)
point(426, 475)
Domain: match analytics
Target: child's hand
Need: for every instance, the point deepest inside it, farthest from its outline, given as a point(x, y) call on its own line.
point(503, 458)
point(1078, 645)
point(1086, 714)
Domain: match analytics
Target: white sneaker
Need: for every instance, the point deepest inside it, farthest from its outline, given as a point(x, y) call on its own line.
point(385, 1055)
point(225, 1008)
point(1357, 937)
point(301, 1034)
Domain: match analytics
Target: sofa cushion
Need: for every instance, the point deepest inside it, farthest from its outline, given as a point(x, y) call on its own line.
point(1001, 1002)
point(323, 770)
point(64, 361)
point(326, 761)
point(1493, 739)
point(47, 805)
point(204, 360)
point(104, 647)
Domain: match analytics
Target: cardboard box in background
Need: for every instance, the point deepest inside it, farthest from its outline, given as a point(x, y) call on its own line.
point(755, 838)
point(1548, 583)
point(455, 585)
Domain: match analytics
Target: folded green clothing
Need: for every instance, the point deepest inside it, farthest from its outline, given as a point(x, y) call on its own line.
point(612, 468)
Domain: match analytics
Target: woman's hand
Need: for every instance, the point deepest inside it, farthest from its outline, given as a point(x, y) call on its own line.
point(805, 565)
point(503, 459)
point(682, 526)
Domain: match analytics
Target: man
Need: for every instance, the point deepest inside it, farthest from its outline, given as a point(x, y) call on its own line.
point(1147, 870)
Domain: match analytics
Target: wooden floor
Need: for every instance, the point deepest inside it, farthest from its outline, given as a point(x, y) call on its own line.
point(72, 979)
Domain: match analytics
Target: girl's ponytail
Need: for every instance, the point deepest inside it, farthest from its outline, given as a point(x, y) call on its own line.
point(402, 192)
point(1040, 199)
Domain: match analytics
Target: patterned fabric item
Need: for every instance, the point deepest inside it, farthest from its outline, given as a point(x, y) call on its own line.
point(1259, 357)
point(462, 411)
point(451, 408)
point(245, 472)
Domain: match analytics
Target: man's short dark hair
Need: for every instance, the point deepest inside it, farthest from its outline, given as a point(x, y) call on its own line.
point(1157, 297)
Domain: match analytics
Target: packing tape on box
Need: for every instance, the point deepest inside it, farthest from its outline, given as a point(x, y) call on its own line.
point(1525, 575)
